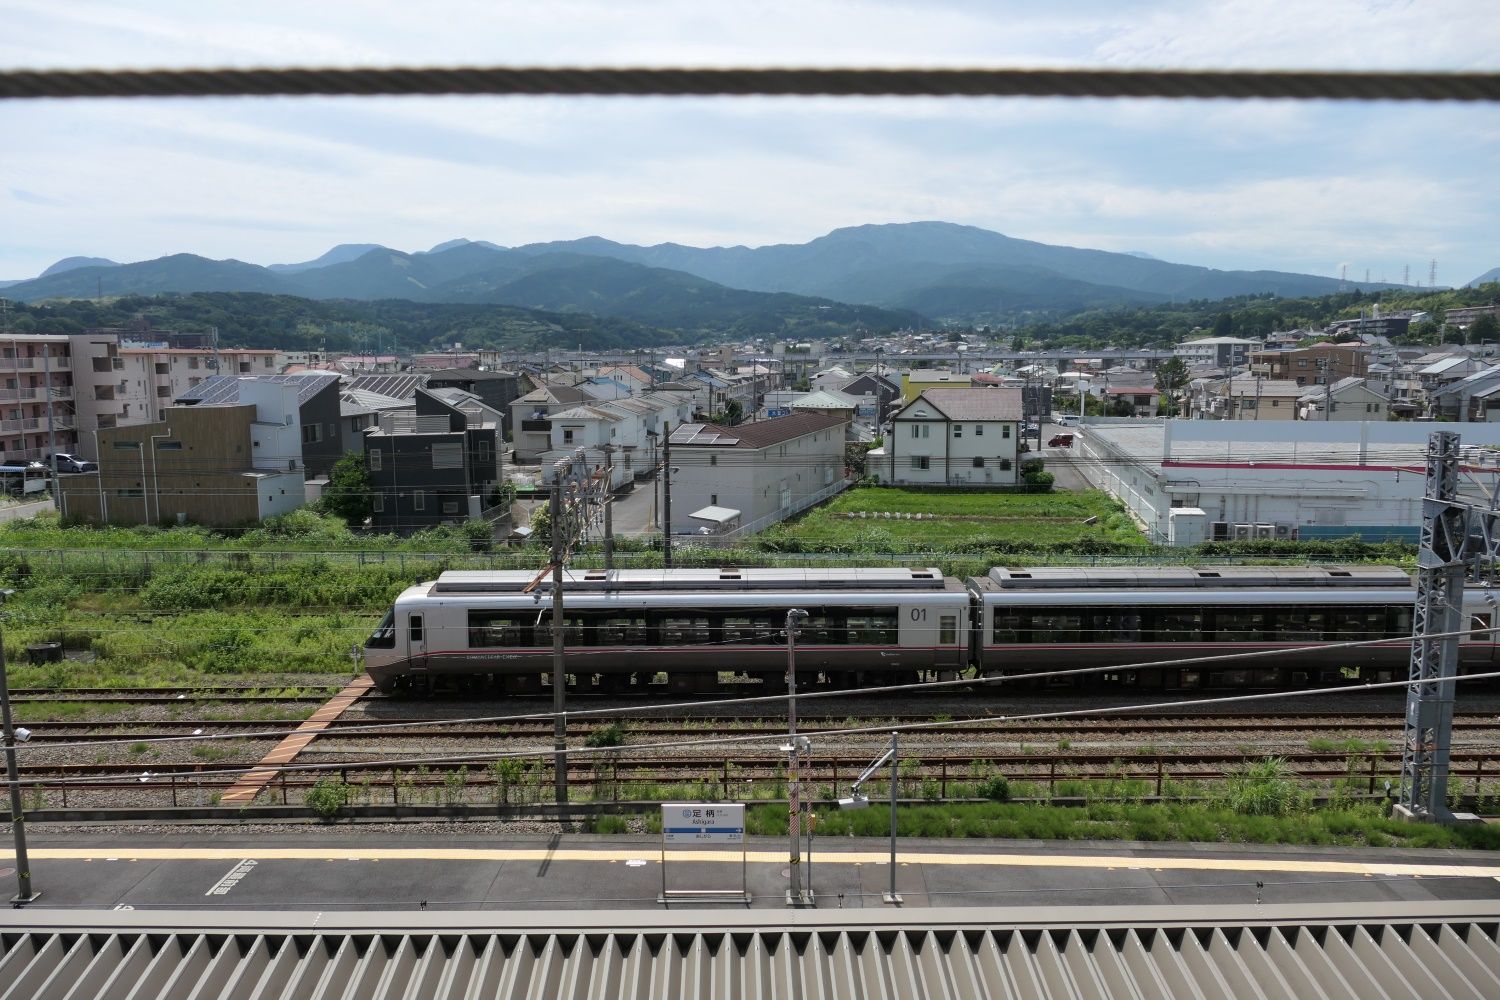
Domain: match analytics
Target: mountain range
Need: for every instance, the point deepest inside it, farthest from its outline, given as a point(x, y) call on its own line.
point(880, 276)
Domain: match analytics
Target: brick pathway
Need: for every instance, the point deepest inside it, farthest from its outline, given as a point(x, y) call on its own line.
point(243, 792)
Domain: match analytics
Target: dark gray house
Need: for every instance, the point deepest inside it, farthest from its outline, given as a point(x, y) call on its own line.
point(436, 464)
point(495, 388)
point(317, 406)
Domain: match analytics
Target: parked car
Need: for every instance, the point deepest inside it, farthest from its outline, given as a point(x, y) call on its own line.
point(70, 463)
point(1060, 441)
point(1067, 420)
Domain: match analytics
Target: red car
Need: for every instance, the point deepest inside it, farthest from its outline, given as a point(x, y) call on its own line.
point(1061, 441)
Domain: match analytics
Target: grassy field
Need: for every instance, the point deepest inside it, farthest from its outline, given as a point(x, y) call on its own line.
point(957, 522)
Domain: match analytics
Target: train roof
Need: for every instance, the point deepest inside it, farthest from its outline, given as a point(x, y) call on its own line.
point(727, 578)
point(1189, 577)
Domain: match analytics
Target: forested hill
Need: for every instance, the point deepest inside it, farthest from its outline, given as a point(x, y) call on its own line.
point(1250, 316)
point(288, 322)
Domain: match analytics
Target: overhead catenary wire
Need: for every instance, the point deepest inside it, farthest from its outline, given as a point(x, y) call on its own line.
point(745, 81)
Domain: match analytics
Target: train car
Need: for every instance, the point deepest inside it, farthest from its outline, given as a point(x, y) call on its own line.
point(1059, 618)
point(864, 624)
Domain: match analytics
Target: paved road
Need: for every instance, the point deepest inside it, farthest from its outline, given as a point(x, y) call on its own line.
point(15, 512)
point(344, 868)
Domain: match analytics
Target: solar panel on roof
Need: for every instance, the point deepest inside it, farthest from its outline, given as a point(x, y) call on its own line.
point(226, 388)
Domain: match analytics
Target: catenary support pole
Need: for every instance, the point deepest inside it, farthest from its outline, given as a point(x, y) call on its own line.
point(666, 495)
point(1441, 570)
point(609, 521)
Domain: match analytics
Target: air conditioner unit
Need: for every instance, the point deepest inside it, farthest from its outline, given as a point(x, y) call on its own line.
point(1220, 531)
point(1244, 532)
point(1284, 530)
point(1265, 531)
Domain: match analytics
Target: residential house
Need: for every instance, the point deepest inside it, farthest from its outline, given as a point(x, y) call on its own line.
point(919, 380)
point(1220, 352)
point(1141, 399)
point(498, 389)
point(359, 410)
point(1346, 399)
point(531, 425)
point(765, 471)
point(1249, 397)
point(1473, 399)
point(1437, 371)
point(224, 464)
point(438, 463)
point(318, 410)
point(1320, 364)
point(953, 437)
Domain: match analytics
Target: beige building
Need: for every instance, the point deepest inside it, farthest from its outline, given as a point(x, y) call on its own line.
point(218, 465)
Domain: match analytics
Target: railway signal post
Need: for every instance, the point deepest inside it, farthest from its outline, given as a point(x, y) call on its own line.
point(795, 894)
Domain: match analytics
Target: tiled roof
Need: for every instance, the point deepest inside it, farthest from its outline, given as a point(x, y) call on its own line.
point(973, 404)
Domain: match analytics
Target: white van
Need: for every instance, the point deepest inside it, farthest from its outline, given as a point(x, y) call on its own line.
point(1067, 420)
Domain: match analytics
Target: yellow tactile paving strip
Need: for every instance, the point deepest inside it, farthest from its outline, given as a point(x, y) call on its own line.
point(652, 853)
point(244, 791)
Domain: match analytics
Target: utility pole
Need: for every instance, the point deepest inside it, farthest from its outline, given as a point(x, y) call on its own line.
point(609, 523)
point(666, 495)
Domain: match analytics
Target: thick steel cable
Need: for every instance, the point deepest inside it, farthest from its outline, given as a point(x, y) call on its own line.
point(770, 81)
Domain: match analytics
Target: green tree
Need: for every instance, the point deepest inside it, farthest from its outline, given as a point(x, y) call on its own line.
point(1171, 378)
point(1224, 325)
point(1483, 329)
point(541, 523)
point(348, 493)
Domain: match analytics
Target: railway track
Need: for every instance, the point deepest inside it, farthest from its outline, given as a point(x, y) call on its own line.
point(641, 730)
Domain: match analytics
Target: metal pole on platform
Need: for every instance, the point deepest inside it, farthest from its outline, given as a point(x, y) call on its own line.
point(666, 495)
point(24, 893)
point(892, 896)
point(795, 895)
point(559, 669)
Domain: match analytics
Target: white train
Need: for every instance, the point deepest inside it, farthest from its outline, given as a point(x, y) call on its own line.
point(878, 626)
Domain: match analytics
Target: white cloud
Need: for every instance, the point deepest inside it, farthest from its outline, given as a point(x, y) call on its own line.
point(1228, 184)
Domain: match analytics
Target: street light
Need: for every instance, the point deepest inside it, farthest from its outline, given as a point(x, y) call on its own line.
point(858, 800)
point(24, 894)
point(795, 746)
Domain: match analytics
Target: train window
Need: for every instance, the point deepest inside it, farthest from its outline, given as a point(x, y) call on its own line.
point(822, 630)
point(1007, 627)
point(414, 627)
point(1112, 626)
point(1398, 624)
point(496, 628)
point(685, 631)
point(1299, 625)
point(742, 629)
point(1054, 626)
point(573, 631)
point(617, 631)
point(384, 636)
point(873, 629)
point(1356, 624)
point(1239, 625)
point(1177, 625)
point(947, 630)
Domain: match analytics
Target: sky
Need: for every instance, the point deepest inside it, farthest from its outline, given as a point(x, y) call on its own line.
point(1314, 187)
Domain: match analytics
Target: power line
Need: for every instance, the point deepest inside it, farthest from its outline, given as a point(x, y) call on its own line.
point(677, 82)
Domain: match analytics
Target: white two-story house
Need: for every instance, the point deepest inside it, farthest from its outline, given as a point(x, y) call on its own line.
point(953, 437)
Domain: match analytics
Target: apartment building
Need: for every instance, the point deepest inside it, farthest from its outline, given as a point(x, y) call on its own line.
point(154, 377)
point(1320, 364)
point(223, 465)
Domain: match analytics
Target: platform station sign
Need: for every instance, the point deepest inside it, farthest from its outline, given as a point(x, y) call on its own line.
point(705, 825)
point(701, 823)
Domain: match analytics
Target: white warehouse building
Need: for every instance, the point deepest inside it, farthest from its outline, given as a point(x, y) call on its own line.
point(1188, 481)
